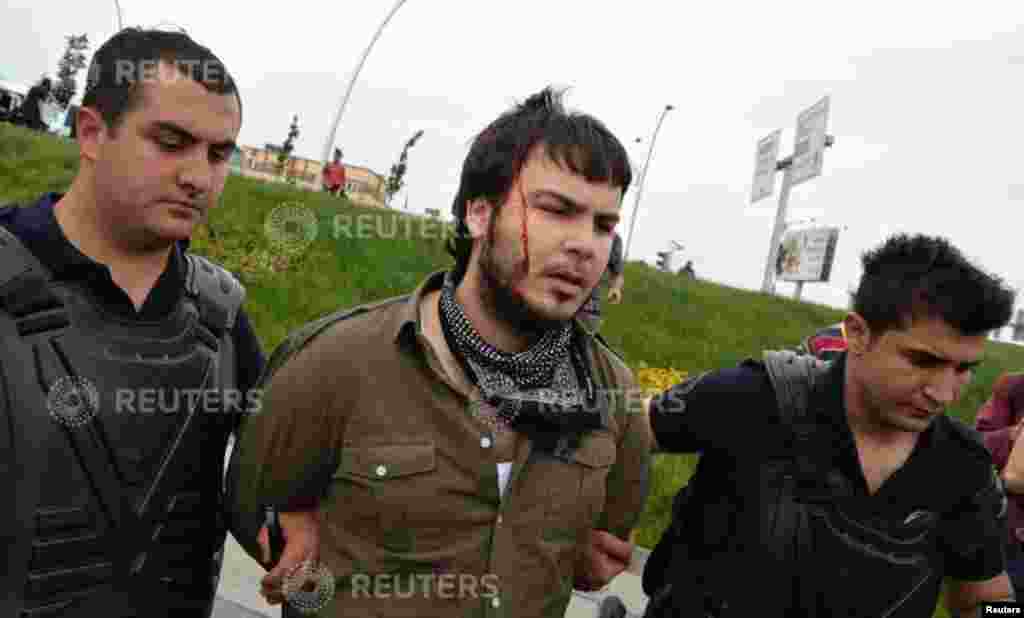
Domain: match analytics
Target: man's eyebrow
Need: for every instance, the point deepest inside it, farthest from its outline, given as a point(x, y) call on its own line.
point(564, 199)
point(931, 356)
point(182, 132)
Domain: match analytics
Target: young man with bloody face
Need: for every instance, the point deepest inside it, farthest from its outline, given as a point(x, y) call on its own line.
point(892, 497)
point(468, 449)
point(106, 321)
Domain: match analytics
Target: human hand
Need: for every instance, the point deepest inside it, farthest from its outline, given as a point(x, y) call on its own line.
point(301, 530)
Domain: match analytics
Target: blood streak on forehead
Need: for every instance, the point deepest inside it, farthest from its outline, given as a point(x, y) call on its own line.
point(524, 241)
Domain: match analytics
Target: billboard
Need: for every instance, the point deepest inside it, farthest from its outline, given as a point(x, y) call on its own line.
point(765, 161)
point(809, 149)
point(807, 254)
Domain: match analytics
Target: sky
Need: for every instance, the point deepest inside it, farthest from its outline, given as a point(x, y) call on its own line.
point(926, 104)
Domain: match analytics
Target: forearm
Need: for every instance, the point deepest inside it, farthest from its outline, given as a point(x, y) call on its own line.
point(999, 443)
point(1012, 473)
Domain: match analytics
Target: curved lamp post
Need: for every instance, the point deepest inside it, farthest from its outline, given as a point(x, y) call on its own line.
point(640, 185)
point(120, 24)
point(348, 91)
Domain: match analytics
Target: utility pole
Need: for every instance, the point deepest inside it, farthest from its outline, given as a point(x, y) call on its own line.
point(640, 185)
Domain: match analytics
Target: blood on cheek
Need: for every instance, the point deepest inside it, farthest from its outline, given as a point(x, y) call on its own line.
point(524, 241)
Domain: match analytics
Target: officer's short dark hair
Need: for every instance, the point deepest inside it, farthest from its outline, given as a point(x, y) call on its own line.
point(121, 65)
point(911, 277)
point(573, 140)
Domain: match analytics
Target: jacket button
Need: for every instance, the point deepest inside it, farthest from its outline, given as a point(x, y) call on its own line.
point(485, 442)
point(382, 470)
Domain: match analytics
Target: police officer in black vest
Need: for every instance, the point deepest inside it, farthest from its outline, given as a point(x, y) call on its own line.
point(125, 361)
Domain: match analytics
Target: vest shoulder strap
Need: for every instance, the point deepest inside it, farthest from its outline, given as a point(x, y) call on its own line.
point(217, 293)
point(794, 377)
point(24, 281)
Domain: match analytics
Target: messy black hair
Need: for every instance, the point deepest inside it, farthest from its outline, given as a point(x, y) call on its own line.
point(912, 277)
point(575, 141)
point(117, 69)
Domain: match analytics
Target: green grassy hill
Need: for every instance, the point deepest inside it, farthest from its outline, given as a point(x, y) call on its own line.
point(664, 321)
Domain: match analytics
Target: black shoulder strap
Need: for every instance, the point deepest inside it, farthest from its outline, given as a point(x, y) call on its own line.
point(217, 293)
point(23, 278)
point(796, 379)
point(23, 288)
point(794, 376)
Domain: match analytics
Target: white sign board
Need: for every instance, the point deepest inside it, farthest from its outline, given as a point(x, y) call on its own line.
point(764, 166)
point(807, 254)
point(808, 151)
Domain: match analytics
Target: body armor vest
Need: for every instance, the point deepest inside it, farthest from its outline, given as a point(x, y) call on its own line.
point(113, 438)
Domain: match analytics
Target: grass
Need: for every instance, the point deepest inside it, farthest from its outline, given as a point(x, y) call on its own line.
point(664, 321)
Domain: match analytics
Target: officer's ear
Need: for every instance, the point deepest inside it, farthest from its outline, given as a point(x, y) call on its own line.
point(858, 334)
point(92, 131)
point(478, 217)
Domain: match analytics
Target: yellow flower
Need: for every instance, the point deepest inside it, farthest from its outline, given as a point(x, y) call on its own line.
point(656, 380)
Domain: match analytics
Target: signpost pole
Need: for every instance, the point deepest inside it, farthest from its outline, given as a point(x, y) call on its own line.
point(804, 164)
point(768, 284)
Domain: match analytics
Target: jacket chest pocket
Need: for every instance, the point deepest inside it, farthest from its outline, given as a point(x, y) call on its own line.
point(575, 485)
point(387, 485)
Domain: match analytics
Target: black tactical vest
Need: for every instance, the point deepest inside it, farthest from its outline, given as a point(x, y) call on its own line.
point(112, 443)
point(692, 570)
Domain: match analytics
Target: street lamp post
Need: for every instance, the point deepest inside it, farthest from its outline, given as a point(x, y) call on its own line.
point(120, 24)
point(348, 91)
point(640, 185)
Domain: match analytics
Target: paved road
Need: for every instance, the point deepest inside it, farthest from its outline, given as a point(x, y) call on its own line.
point(237, 596)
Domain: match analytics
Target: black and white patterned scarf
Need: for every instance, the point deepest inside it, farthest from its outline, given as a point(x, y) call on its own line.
point(535, 390)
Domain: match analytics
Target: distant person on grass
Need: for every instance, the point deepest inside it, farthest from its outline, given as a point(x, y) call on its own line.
point(334, 175)
point(32, 107)
point(126, 360)
point(843, 488)
point(687, 270)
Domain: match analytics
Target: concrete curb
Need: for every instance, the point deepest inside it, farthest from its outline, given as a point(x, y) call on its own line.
point(224, 608)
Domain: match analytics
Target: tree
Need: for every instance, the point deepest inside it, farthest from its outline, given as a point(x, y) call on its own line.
point(396, 180)
point(288, 146)
point(70, 64)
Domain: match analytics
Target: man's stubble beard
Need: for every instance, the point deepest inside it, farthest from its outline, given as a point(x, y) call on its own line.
point(498, 296)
